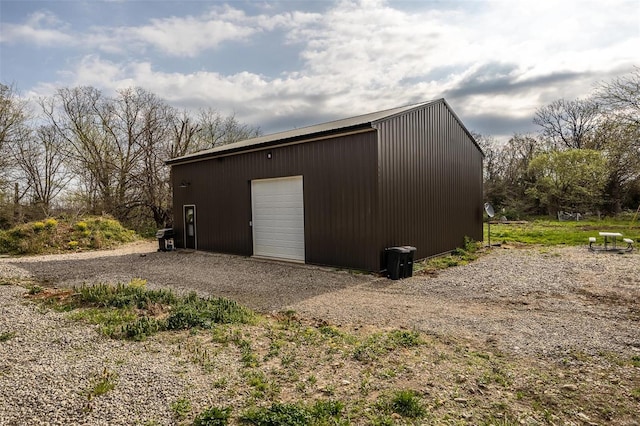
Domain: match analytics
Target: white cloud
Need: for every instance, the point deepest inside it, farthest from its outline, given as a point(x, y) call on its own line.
point(187, 36)
point(500, 58)
point(41, 28)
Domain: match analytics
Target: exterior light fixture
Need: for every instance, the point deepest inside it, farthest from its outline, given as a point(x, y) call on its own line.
point(184, 184)
point(269, 155)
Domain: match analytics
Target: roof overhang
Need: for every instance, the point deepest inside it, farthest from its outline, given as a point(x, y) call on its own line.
point(333, 129)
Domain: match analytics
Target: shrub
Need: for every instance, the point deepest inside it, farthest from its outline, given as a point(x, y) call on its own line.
point(50, 223)
point(49, 236)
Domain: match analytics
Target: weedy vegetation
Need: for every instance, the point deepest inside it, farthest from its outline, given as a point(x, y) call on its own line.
point(7, 335)
point(283, 369)
point(133, 312)
point(64, 235)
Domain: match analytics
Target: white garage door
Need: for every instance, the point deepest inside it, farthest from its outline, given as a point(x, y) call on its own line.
point(278, 218)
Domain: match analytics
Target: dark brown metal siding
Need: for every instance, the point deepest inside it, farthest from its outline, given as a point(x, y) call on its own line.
point(430, 182)
point(340, 198)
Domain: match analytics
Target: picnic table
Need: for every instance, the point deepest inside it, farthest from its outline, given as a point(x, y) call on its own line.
point(610, 235)
point(611, 238)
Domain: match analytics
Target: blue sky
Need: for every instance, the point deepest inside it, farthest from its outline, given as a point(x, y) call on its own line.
point(285, 64)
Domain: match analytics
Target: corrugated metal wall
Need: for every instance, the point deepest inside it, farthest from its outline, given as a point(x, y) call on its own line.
point(340, 198)
point(430, 181)
point(416, 181)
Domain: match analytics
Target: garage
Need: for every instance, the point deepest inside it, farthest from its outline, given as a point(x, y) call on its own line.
point(339, 193)
point(278, 218)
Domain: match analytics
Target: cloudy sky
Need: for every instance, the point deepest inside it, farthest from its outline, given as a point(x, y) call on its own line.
point(285, 64)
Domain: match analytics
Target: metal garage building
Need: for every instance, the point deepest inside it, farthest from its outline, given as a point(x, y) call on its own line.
point(336, 193)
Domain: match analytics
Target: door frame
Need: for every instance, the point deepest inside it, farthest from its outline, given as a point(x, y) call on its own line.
point(195, 225)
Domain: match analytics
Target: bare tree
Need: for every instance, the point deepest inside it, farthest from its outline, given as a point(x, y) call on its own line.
point(14, 115)
point(216, 130)
point(621, 97)
point(41, 157)
point(109, 138)
point(152, 175)
point(118, 146)
point(83, 117)
point(569, 124)
point(184, 132)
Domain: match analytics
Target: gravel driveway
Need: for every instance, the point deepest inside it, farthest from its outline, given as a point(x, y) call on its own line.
point(535, 301)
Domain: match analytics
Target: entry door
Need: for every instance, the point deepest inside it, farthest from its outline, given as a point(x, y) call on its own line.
point(190, 236)
point(278, 218)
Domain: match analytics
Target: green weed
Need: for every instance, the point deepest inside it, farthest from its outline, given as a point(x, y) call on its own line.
point(102, 383)
point(141, 328)
point(181, 408)
point(278, 414)
point(7, 335)
point(111, 320)
point(193, 311)
point(213, 416)
point(403, 338)
point(460, 256)
point(378, 344)
point(130, 311)
point(122, 295)
point(35, 289)
point(322, 412)
point(406, 403)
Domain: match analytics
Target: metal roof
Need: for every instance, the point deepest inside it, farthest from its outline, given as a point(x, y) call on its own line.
point(331, 127)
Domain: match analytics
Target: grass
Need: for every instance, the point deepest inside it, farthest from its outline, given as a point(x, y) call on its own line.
point(181, 408)
point(322, 412)
point(213, 416)
point(7, 335)
point(63, 235)
point(537, 231)
point(132, 312)
point(287, 370)
point(102, 383)
point(406, 403)
point(460, 256)
point(543, 231)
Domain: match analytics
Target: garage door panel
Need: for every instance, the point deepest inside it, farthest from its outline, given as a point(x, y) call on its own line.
point(278, 218)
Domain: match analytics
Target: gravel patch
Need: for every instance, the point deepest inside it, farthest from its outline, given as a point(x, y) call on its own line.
point(534, 302)
point(538, 301)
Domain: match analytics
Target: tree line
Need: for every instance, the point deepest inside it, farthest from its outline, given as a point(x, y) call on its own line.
point(585, 157)
point(81, 151)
